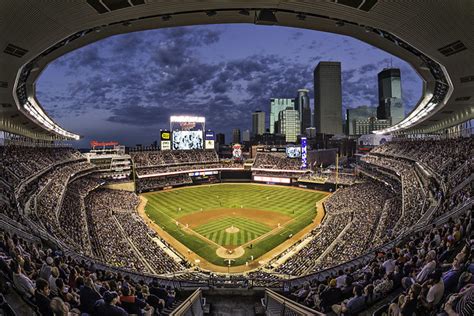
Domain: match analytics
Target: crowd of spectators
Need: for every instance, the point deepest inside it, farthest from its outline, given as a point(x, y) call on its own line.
point(356, 208)
point(187, 168)
point(279, 174)
point(278, 161)
point(414, 198)
point(55, 284)
point(329, 177)
point(121, 238)
point(364, 202)
point(144, 239)
point(166, 158)
point(444, 157)
point(389, 217)
point(109, 242)
point(304, 261)
point(18, 162)
point(156, 183)
point(432, 268)
point(72, 214)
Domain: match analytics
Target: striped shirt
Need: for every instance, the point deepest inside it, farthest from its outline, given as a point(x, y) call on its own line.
point(465, 305)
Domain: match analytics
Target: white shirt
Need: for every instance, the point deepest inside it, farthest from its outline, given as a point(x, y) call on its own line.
point(389, 266)
point(435, 293)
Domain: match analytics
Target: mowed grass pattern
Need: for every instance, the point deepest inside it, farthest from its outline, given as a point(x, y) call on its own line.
point(162, 208)
point(272, 198)
point(248, 230)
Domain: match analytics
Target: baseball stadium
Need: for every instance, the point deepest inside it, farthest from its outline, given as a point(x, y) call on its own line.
point(317, 215)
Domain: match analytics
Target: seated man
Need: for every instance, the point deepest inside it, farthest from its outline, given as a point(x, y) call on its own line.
point(42, 297)
point(107, 305)
point(22, 283)
point(352, 305)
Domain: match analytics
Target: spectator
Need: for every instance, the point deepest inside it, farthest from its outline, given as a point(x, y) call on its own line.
point(42, 297)
point(22, 283)
point(130, 302)
point(107, 305)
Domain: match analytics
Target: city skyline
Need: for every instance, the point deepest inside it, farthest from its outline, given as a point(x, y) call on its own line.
point(134, 82)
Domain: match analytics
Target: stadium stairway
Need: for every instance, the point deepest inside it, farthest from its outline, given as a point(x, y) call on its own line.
point(168, 310)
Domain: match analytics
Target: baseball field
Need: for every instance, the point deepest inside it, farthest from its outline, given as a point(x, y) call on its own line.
point(238, 221)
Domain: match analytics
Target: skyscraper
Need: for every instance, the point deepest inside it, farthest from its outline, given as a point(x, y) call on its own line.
point(258, 123)
point(276, 106)
point(289, 124)
point(246, 136)
point(303, 107)
point(236, 136)
point(328, 97)
point(363, 112)
point(390, 96)
point(220, 138)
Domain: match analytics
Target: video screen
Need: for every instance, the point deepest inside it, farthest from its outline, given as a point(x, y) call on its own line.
point(293, 152)
point(187, 132)
point(185, 140)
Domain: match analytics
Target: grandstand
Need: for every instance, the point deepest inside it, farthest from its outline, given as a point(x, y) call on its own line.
point(396, 237)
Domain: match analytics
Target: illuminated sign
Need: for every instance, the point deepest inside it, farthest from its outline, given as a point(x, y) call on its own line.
point(210, 135)
point(165, 135)
point(209, 144)
point(304, 161)
point(165, 145)
point(190, 119)
point(272, 179)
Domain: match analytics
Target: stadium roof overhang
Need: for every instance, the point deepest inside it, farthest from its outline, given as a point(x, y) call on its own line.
point(435, 38)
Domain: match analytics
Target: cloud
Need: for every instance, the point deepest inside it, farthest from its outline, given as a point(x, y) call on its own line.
point(86, 58)
point(296, 35)
point(358, 88)
point(138, 80)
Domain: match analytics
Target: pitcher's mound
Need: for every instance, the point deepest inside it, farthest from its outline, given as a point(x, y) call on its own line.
point(232, 230)
point(230, 253)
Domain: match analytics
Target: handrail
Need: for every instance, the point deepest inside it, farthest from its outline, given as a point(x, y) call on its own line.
point(462, 184)
point(459, 169)
point(287, 303)
point(184, 306)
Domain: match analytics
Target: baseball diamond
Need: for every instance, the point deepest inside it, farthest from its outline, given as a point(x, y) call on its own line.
point(208, 217)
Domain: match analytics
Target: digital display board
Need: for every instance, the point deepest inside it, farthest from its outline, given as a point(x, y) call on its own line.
point(185, 140)
point(293, 152)
point(187, 132)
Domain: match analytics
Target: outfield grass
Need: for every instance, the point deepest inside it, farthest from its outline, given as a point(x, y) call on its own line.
point(167, 207)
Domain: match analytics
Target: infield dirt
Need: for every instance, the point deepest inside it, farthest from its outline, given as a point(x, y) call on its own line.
point(269, 218)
